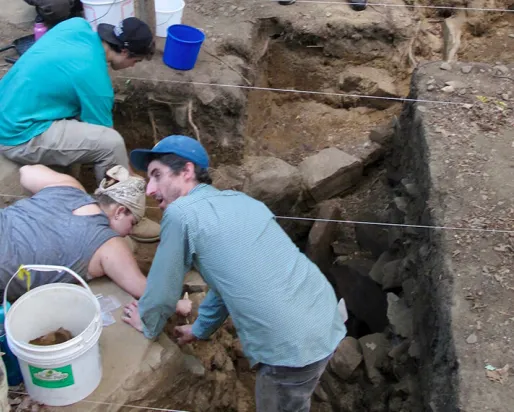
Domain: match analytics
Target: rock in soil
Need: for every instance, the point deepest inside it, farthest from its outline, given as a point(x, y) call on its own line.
point(392, 275)
point(400, 316)
point(375, 348)
point(228, 177)
point(323, 234)
point(377, 271)
point(330, 173)
point(345, 397)
point(344, 248)
point(369, 81)
point(347, 358)
point(399, 353)
point(382, 134)
point(272, 181)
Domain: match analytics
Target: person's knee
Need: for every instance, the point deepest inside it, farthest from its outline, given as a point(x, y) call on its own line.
point(112, 140)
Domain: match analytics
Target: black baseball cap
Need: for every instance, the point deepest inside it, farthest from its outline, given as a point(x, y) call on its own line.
point(131, 34)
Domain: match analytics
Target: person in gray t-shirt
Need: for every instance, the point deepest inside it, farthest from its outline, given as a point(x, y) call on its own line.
point(62, 225)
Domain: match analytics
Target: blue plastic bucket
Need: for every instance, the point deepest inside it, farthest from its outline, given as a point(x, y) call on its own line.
point(182, 46)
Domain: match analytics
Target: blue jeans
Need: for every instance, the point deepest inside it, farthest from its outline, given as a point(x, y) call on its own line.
point(286, 389)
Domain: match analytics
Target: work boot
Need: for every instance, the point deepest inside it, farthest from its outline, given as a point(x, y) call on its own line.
point(146, 231)
point(286, 2)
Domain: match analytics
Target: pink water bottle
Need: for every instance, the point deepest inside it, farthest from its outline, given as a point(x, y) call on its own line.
point(39, 28)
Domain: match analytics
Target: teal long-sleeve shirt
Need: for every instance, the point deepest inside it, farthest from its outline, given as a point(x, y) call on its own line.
point(283, 308)
point(63, 75)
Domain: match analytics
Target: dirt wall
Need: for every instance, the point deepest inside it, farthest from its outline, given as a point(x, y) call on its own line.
point(433, 280)
point(454, 158)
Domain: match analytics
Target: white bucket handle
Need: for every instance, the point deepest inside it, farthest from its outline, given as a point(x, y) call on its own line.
point(44, 268)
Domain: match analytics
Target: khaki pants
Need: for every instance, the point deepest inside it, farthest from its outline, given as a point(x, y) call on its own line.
point(68, 142)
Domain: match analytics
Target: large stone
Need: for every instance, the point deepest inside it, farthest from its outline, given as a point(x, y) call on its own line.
point(228, 177)
point(377, 271)
point(400, 316)
point(369, 81)
point(347, 358)
point(370, 153)
point(330, 173)
point(345, 247)
point(363, 297)
point(272, 181)
point(322, 235)
point(399, 353)
point(375, 349)
point(392, 275)
point(382, 134)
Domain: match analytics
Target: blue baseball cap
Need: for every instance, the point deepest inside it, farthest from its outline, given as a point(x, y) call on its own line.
point(182, 146)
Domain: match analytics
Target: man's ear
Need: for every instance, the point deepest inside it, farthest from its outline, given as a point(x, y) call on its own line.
point(189, 171)
point(125, 53)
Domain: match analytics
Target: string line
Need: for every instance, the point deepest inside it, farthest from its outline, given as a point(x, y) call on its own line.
point(274, 89)
point(359, 222)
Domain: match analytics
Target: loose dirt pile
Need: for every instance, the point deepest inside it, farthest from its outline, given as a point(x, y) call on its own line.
point(56, 337)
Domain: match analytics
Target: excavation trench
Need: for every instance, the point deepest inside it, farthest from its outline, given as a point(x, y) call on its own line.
point(265, 143)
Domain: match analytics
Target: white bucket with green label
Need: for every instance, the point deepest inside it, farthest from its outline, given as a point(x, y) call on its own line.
point(65, 373)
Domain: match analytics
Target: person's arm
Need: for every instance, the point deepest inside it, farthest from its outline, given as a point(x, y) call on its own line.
point(164, 284)
point(37, 177)
point(119, 264)
point(211, 315)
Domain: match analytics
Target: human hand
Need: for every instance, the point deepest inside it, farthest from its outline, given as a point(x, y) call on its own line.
point(184, 307)
point(131, 316)
point(184, 334)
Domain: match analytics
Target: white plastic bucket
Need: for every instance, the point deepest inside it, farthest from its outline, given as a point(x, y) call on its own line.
point(66, 373)
point(167, 13)
point(107, 11)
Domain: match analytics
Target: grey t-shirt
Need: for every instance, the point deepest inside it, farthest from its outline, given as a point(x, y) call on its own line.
point(43, 230)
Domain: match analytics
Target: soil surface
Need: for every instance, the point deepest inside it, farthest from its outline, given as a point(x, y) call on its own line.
point(471, 151)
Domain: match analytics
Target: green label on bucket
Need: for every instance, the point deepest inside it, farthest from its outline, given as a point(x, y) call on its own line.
point(52, 378)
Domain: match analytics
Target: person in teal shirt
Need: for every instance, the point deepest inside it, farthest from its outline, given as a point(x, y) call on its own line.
point(283, 308)
point(56, 102)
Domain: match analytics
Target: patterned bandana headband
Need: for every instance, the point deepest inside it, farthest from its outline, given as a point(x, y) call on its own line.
point(127, 190)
